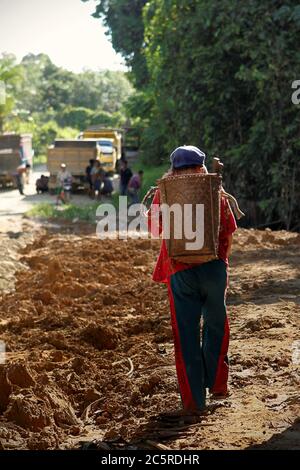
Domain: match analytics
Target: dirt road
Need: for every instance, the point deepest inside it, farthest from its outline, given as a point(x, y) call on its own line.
point(13, 204)
point(15, 231)
point(90, 354)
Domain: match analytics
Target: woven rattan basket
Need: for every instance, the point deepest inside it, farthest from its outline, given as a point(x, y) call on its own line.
point(193, 189)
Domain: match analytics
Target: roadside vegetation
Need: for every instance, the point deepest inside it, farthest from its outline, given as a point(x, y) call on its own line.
point(51, 102)
point(218, 75)
point(71, 212)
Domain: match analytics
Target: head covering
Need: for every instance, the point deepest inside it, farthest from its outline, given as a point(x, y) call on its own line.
point(187, 155)
point(63, 165)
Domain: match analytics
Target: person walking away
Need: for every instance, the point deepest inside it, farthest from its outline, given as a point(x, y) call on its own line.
point(134, 186)
point(125, 176)
point(195, 291)
point(63, 184)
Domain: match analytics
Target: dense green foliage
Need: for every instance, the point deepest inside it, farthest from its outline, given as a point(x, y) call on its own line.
point(10, 75)
point(220, 76)
point(49, 101)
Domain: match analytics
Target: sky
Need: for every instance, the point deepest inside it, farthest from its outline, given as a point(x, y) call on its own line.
point(63, 29)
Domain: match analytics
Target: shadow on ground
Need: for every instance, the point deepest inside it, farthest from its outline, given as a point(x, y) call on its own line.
point(289, 439)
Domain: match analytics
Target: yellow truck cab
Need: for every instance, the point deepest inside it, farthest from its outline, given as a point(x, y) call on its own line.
point(110, 143)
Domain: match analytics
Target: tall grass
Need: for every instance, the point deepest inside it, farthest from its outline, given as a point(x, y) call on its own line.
point(69, 211)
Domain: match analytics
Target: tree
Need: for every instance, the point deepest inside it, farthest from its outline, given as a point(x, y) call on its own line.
point(78, 118)
point(219, 76)
point(10, 75)
point(49, 101)
point(57, 87)
point(50, 93)
point(50, 90)
point(28, 93)
point(104, 90)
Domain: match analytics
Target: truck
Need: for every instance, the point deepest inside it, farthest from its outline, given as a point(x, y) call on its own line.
point(15, 150)
point(131, 143)
point(76, 154)
point(110, 142)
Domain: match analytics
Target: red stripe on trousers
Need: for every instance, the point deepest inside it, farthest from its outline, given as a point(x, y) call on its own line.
point(184, 386)
point(220, 385)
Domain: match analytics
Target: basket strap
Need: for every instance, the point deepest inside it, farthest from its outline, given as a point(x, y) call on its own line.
point(212, 212)
point(147, 196)
point(238, 213)
point(149, 193)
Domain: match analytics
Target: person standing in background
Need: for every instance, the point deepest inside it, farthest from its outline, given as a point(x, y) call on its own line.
point(134, 186)
point(89, 177)
point(64, 184)
point(97, 177)
point(19, 178)
point(125, 175)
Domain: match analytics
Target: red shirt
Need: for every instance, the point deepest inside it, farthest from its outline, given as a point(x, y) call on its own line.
point(165, 266)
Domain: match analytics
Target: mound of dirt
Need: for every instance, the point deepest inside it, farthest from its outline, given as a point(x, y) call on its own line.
point(100, 337)
point(19, 374)
point(28, 412)
point(12, 243)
